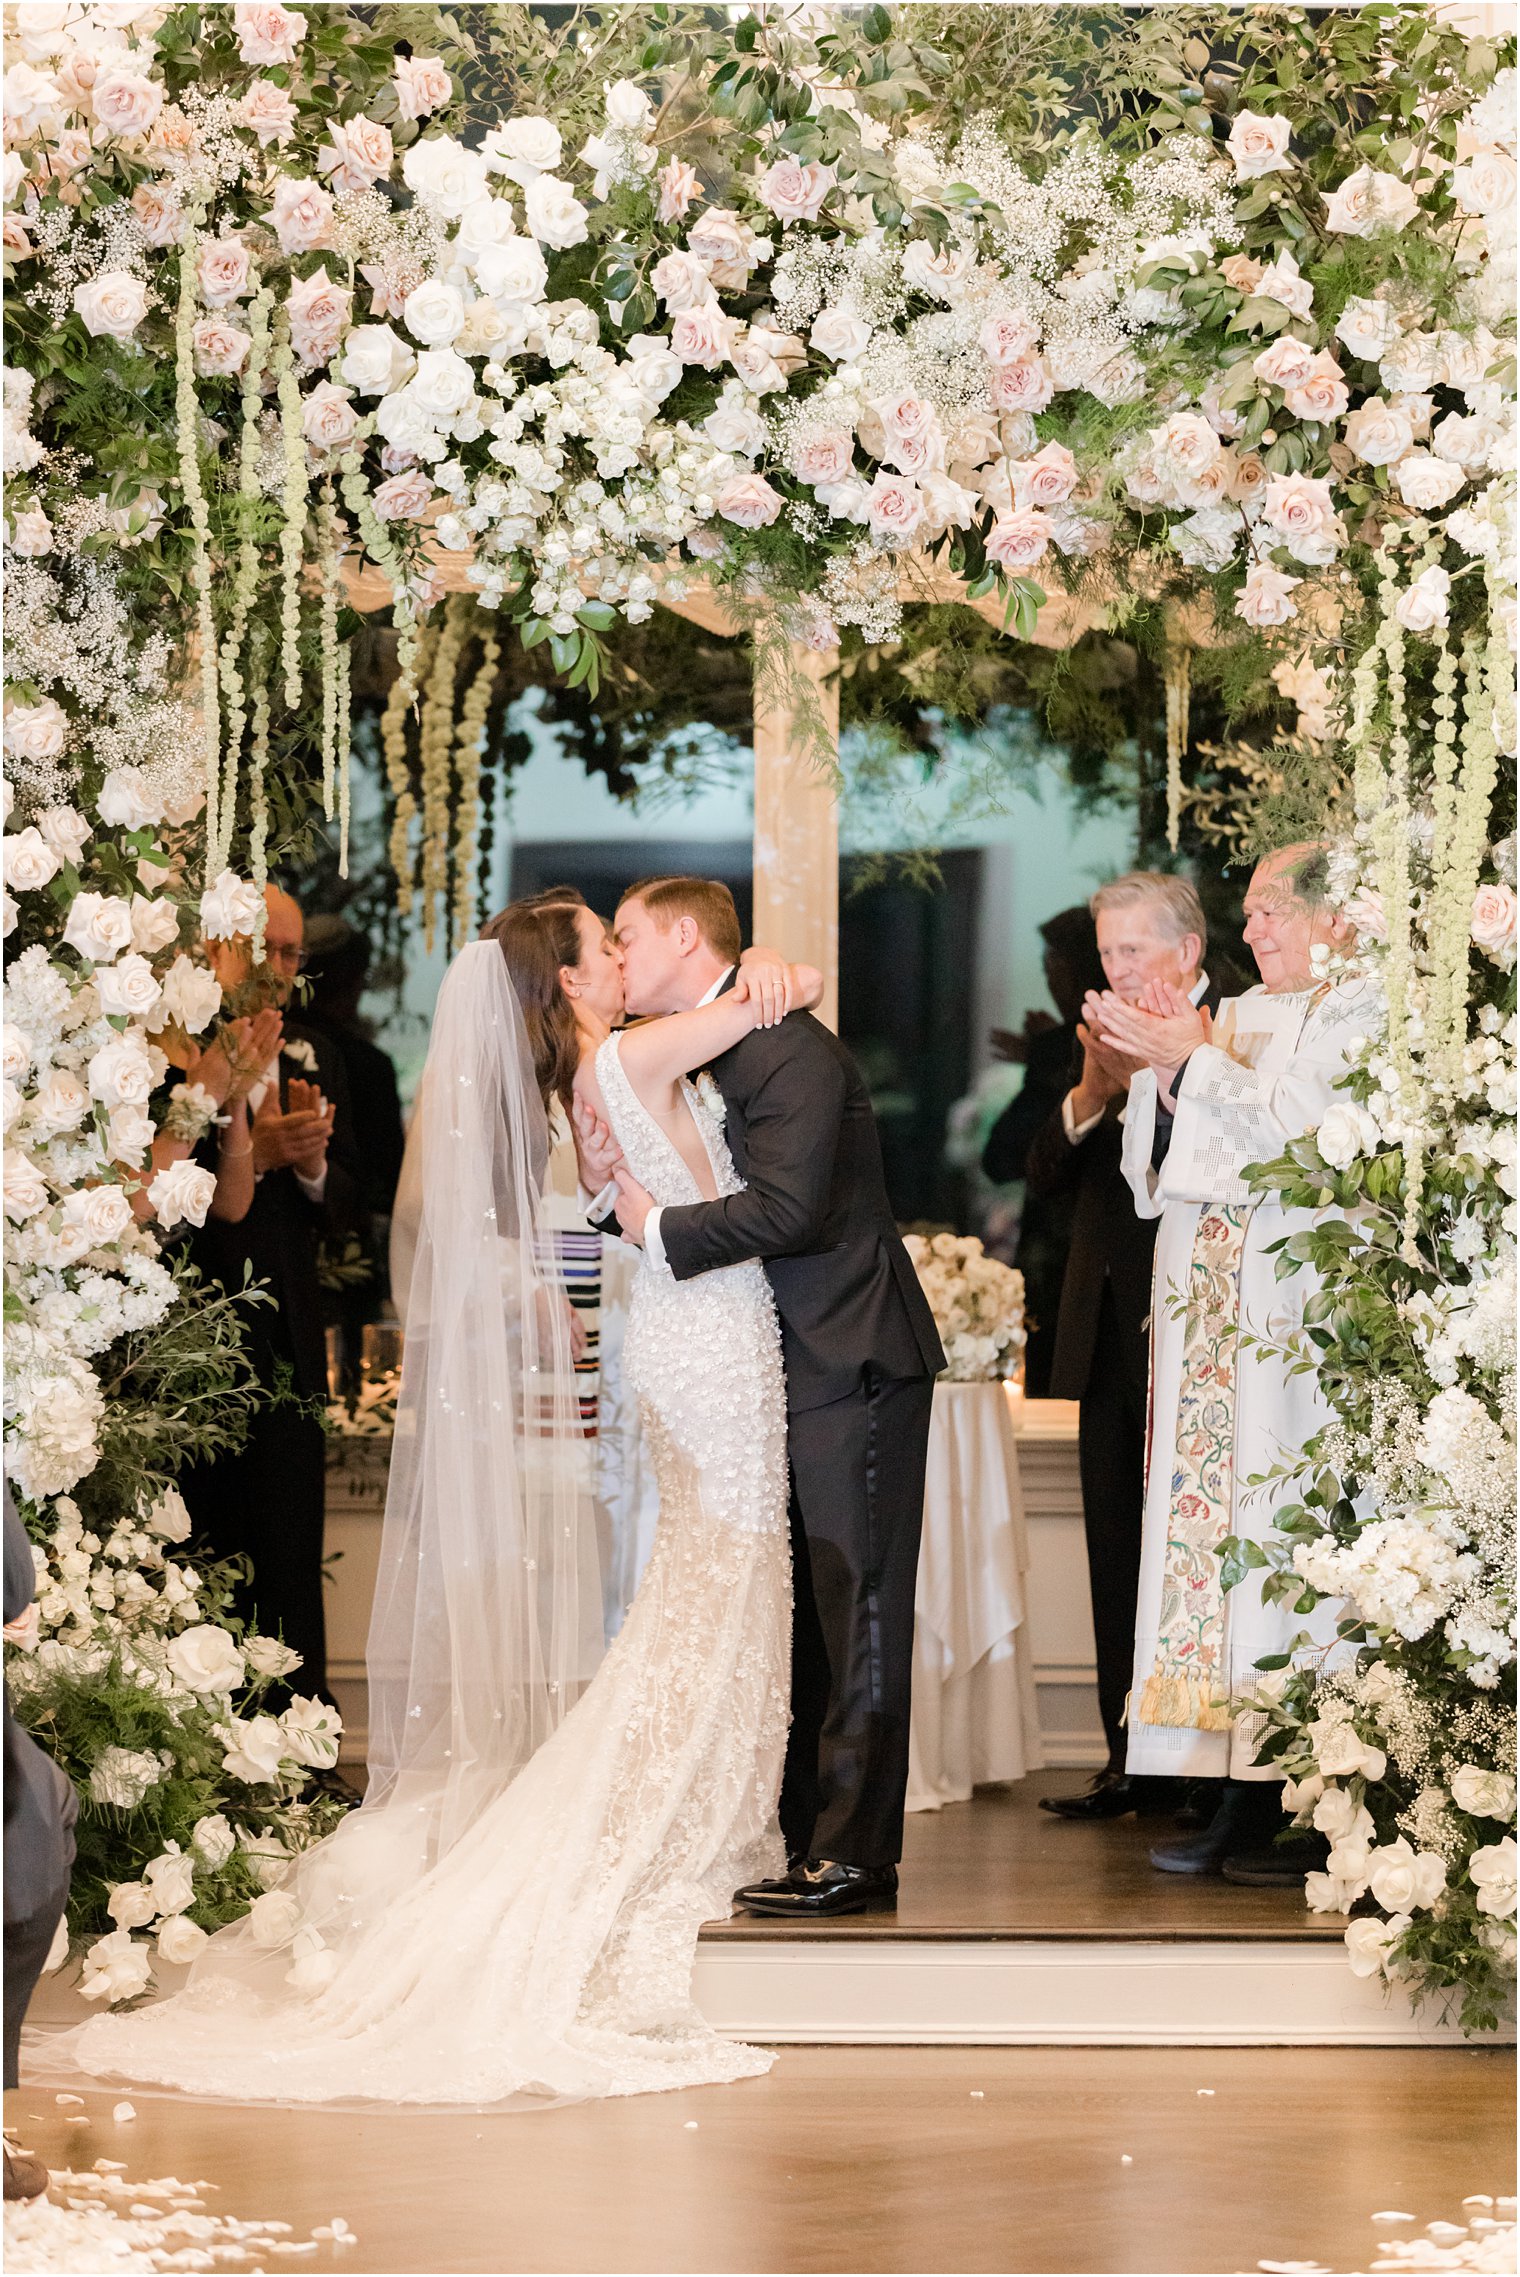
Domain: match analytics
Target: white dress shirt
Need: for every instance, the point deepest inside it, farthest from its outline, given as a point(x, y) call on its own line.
point(653, 1246)
point(1075, 1131)
point(312, 1188)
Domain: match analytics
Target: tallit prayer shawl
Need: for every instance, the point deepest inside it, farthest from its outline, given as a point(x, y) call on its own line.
point(1224, 1408)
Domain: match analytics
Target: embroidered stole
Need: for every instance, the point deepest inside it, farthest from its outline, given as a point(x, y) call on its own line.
point(1187, 1684)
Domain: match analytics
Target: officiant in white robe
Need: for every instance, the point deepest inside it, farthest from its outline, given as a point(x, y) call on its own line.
point(1212, 1099)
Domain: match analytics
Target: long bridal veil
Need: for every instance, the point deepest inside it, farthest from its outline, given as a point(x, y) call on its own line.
point(486, 1624)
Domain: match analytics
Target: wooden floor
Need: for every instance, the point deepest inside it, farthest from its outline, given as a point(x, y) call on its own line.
point(1001, 1867)
point(882, 2159)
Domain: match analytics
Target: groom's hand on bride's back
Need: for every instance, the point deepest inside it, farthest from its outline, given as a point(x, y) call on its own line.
point(634, 1205)
point(597, 1151)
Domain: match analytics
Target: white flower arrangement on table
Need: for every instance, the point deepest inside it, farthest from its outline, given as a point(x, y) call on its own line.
point(977, 1303)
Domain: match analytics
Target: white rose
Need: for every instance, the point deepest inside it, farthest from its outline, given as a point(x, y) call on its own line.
point(1485, 1794)
point(129, 1134)
point(66, 831)
point(1426, 482)
point(111, 305)
point(434, 313)
point(255, 1748)
point(180, 1940)
point(182, 1190)
point(205, 1658)
point(840, 334)
point(1422, 606)
point(737, 427)
point(32, 534)
point(1367, 202)
point(28, 860)
point(1379, 432)
point(1339, 1752)
point(1402, 1878)
point(121, 1776)
point(445, 174)
point(521, 149)
point(168, 1516)
point(61, 1102)
point(1369, 1942)
point(1258, 145)
point(191, 994)
point(1492, 1871)
point(171, 1878)
point(554, 214)
point(99, 926)
point(129, 987)
point(1265, 599)
point(34, 103)
point(442, 384)
point(267, 1656)
point(127, 801)
point(1486, 184)
point(273, 1919)
point(229, 908)
point(154, 923)
point(515, 271)
point(115, 1968)
point(266, 32)
point(1346, 1133)
point(101, 1214)
point(131, 1905)
point(36, 731)
point(121, 1074)
point(1365, 328)
point(375, 360)
point(628, 107)
point(26, 1189)
point(312, 1731)
point(213, 1839)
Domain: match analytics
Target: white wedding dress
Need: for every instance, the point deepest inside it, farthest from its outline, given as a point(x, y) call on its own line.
point(548, 1950)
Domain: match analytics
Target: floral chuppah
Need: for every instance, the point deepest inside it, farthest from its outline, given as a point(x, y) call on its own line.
point(1220, 322)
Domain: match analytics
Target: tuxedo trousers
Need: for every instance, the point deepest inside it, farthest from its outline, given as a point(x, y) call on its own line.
point(857, 1513)
point(1111, 1458)
point(267, 1502)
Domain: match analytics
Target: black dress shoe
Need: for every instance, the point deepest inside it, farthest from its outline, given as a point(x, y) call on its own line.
point(1248, 1811)
point(1111, 1795)
point(1282, 1867)
point(819, 1889)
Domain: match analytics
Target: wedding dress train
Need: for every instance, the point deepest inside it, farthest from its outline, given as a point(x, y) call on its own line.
point(548, 1949)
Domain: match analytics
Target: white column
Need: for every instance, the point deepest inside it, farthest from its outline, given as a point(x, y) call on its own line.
point(797, 830)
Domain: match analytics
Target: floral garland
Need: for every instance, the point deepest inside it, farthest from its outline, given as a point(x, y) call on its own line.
point(1226, 346)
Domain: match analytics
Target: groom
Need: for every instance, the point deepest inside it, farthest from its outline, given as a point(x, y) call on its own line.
point(861, 1357)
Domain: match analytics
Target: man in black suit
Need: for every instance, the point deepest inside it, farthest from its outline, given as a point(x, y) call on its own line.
point(1150, 927)
point(266, 1501)
point(861, 1355)
point(1045, 1047)
point(338, 967)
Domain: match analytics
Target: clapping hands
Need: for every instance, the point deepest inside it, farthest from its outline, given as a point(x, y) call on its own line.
point(1159, 1030)
point(296, 1139)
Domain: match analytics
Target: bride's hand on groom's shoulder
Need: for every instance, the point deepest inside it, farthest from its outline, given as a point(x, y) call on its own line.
point(775, 987)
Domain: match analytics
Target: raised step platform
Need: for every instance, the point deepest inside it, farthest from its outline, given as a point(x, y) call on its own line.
point(1017, 1928)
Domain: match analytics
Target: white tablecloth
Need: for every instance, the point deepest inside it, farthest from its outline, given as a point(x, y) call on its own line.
point(974, 1712)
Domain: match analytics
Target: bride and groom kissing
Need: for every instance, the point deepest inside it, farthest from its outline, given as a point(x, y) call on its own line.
point(513, 1912)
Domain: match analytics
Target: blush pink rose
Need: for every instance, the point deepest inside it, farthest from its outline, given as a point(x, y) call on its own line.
point(301, 216)
point(357, 153)
point(681, 281)
point(220, 348)
point(158, 213)
point(1006, 339)
point(1048, 479)
point(701, 336)
point(328, 418)
point(125, 102)
point(795, 192)
point(679, 186)
point(894, 508)
point(1241, 273)
point(267, 111)
point(267, 34)
point(824, 457)
point(1493, 922)
point(406, 497)
point(422, 85)
point(1024, 384)
point(1264, 600)
point(1323, 395)
point(318, 315)
point(1285, 362)
point(1020, 539)
point(1298, 505)
point(749, 501)
point(222, 271)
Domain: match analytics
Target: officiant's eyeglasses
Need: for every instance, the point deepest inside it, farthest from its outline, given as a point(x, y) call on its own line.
point(281, 953)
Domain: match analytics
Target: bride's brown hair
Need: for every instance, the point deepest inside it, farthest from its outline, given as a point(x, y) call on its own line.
point(536, 937)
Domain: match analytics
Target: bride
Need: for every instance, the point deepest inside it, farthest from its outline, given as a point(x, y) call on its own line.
point(513, 1911)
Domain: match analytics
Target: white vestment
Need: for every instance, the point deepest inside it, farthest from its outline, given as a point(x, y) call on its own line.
point(1222, 1409)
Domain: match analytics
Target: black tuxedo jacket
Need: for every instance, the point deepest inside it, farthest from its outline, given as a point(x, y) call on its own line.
point(1109, 1242)
point(814, 1208)
point(277, 1241)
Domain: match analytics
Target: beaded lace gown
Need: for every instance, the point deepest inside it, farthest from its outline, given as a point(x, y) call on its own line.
point(550, 1952)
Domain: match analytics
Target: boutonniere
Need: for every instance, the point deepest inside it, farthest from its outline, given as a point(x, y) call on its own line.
point(296, 1048)
point(705, 1086)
